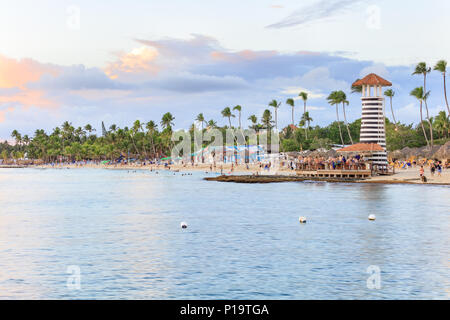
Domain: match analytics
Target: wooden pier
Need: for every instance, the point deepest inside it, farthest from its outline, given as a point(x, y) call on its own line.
point(356, 174)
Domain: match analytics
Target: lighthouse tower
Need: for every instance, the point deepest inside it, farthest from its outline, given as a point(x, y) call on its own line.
point(373, 115)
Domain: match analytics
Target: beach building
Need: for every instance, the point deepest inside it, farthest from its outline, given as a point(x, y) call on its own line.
point(373, 116)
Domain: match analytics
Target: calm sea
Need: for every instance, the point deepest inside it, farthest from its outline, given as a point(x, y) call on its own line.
point(104, 234)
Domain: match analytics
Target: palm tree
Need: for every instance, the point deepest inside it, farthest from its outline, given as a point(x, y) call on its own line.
point(334, 99)
point(343, 99)
point(226, 113)
point(275, 104)
point(151, 127)
point(291, 103)
point(211, 124)
point(304, 96)
point(18, 137)
point(200, 118)
point(167, 121)
point(441, 124)
point(89, 128)
point(356, 89)
point(391, 93)
point(239, 109)
point(267, 119)
point(267, 122)
point(254, 121)
point(441, 66)
point(423, 69)
point(113, 128)
point(419, 94)
point(306, 119)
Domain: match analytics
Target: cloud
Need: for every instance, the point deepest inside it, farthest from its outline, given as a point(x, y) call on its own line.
point(4, 112)
point(140, 59)
point(297, 90)
point(378, 68)
point(79, 78)
point(195, 83)
point(16, 73)
point(186, 77)
point(320, 10)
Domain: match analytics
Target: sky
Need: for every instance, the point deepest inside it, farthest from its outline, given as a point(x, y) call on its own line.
point(118, 61)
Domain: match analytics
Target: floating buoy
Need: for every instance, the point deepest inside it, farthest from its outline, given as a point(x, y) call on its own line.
point(372, 217)
point(302, 220)
point(183, 225)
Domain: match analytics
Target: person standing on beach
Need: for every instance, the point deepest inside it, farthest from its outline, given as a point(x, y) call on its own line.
point(439, 168)
point(422, 172)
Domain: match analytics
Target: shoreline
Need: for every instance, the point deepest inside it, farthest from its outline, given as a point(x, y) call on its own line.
point(402, 176)
point(281, 179)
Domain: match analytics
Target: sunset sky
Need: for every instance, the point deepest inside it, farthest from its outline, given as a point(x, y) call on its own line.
point(118, 61)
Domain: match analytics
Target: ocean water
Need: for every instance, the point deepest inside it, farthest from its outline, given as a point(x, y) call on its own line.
point(104, 234)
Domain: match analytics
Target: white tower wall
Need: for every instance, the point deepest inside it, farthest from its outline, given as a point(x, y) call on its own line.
point(373, 128)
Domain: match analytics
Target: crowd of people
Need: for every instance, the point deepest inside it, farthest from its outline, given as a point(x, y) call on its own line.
point(331, 163)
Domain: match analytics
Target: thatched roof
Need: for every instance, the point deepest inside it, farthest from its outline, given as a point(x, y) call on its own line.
point(362, 147)
point(372, 80)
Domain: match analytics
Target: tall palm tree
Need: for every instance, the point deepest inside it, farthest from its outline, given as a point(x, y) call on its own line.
point(307, 120)
point(151, 127)
point(291, 103)
point(275, 104)
point(167, 121)
point(419, 94)
point(441, 66)
point(391, 93)
point(18, 137)
point(239, 109)
point(200, 118)
point(304, 96)
point(334, 100)
point(267, 123)
point(226, 113)
point(255, 126)
point(211, 124)
point(343, 99)
point(423, 69)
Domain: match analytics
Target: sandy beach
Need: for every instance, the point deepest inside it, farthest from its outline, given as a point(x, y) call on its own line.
point(410, 175)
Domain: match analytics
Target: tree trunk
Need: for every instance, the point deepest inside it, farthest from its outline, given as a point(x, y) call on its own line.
point(392, 111)
point(240, 127)
point(304, 112)
point(346, 124)
point(201, 145)
point(445, 95)
point(293, 116)
point(426, 108)
point(339, 125)
point(421, 123)
point(276, 119)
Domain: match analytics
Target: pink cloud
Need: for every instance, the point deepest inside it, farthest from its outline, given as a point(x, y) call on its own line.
point(137, 60)
point(17, 73)
point(4, 112)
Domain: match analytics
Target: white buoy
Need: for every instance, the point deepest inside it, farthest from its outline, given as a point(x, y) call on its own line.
point(372, 217)
point(302, 220)
point(183, 225)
